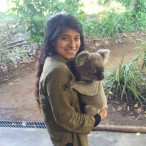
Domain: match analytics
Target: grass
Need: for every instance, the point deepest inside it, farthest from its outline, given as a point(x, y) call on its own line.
point(128, 82)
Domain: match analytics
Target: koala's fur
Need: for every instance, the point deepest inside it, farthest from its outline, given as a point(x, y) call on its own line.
point(90, 69)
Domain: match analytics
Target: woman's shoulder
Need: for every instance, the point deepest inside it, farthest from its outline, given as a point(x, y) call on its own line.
point(53, 65)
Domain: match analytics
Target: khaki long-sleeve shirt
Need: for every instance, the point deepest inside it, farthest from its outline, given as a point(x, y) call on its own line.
point(65, 123)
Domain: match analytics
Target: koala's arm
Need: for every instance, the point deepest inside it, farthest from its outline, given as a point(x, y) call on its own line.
point(89, 89)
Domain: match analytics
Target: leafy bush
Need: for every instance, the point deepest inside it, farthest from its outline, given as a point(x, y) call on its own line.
point(144, 58)
point(108, 22)
point(14, 49)
point(34, 14)
point(110, 25)
point(128, 83)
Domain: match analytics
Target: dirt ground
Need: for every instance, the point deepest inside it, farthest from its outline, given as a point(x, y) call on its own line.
point(17, 101)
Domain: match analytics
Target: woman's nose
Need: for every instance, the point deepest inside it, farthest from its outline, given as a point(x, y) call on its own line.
point(72, 43)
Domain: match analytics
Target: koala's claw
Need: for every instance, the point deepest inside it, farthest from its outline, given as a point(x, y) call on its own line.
point(67, 86)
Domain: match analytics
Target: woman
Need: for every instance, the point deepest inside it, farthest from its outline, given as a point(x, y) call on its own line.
point(66, 125)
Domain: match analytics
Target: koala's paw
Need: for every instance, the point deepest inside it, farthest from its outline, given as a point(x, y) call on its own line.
point(90, 110)
point(68, 86)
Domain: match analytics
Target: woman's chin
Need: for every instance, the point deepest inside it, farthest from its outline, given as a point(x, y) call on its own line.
point(71, 56)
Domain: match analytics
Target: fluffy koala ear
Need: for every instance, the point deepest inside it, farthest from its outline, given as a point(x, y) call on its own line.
point(104, 53)
point(82, 58)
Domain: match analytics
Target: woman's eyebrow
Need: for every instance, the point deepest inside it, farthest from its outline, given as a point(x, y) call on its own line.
point(69, 35)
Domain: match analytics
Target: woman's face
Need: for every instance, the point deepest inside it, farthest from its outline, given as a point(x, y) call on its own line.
point(68, 43)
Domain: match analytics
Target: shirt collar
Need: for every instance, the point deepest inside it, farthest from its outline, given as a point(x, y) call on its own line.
point(69, 63)
point(60, 58)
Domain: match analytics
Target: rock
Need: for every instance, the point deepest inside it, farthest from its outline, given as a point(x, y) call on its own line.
point(119, 109)
point(139, 110)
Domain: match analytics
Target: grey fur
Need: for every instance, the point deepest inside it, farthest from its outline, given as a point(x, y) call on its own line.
point(90, 69)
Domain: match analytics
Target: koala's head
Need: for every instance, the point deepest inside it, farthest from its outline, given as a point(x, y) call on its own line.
point(90, 66)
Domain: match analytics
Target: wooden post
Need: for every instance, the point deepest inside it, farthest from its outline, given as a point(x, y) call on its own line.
point(117, 128)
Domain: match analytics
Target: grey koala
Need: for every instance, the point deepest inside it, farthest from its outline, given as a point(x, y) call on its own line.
point(90, 70)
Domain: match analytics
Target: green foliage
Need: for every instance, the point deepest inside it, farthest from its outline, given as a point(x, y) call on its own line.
point(5, 37)
point(126, 3)
point(121, 18)
point(128, 83)
point(124, 17)
point(111, 24)
point(144, 59)
point(4, 16)
point(35, 13)
point(31, 13)
point(12, 50)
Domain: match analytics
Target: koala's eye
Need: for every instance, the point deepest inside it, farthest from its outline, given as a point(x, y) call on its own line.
point(94, 70)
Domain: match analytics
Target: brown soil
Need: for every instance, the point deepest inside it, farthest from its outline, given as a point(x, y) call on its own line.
point(17, 90)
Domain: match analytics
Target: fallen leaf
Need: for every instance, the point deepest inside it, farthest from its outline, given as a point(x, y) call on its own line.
point(139, 110)
point(119, 109)
point(10, 84)
point(136, 105)
point(110, 92)
point(97, 44)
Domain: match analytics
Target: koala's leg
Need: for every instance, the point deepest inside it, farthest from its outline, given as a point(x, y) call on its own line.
point(91, 110)
point(89, 89)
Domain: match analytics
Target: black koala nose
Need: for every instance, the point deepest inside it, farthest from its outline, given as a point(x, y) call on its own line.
point(100, 77)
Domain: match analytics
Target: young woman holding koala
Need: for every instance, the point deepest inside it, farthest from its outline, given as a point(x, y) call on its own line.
point(66, 125)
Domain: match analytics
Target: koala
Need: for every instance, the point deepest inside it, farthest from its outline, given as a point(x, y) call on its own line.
point(90, 71)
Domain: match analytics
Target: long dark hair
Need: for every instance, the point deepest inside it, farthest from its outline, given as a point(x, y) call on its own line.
point(55, 26)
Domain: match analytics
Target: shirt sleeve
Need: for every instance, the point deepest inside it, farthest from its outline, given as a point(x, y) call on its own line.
point(64, 113)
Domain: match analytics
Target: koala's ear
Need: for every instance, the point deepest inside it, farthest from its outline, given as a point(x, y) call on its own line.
point(82, 58)
point(104, 53)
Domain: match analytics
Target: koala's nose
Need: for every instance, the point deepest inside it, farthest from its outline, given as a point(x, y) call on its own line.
point(100, 76)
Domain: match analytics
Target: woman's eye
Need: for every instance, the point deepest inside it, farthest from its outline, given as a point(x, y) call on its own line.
point(65, 38)
point(78, 38)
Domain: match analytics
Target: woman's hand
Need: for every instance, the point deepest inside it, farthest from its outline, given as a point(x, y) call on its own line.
point(103, 113)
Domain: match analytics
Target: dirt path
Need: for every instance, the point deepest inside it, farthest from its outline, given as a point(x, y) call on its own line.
point(17, 101)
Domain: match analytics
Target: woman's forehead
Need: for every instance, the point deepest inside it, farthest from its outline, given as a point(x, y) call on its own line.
point(70, 32)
